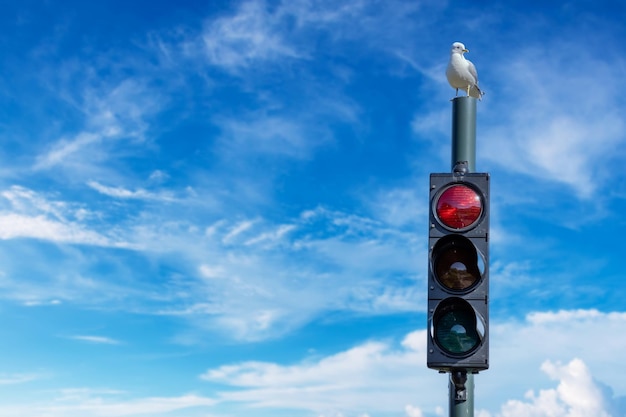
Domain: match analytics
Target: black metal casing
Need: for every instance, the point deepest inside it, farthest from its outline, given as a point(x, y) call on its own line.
point(473, 242)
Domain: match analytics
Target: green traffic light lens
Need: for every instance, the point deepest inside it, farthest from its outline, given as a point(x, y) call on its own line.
point(456, 263)
point(456, 327)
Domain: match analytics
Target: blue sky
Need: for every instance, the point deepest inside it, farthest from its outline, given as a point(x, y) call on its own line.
point(216, 209)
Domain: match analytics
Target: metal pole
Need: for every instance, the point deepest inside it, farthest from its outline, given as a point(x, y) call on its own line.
point(461, 384)
point(464, 131)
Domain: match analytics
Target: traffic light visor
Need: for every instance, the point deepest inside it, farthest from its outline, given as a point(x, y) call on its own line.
point(457, 329)
point(458, 207)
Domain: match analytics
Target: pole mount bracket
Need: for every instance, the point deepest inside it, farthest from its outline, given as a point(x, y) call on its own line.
point(460, 168)
point(459, 377)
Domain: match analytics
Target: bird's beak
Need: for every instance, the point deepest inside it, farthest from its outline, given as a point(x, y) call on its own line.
point(465, 50)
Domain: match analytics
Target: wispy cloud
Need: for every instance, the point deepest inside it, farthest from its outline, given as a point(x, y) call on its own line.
point(32, 215)
point(286, 274)
point(61, 280)
point(247, 38)
point(237, 230)
point(85, 402)
point(123, 193)
point(67, 147)
point(99, 340)
point(256, 34)
point(111, 111)
point(12, 379)
point(564, 125)
point(39, 227)
point(269, 135)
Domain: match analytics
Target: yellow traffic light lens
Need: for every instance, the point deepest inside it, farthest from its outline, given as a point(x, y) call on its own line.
point(456, 263)
point(459, 207)
point(456, 327)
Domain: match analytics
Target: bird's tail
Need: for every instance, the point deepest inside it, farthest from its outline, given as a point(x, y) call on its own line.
point(476, 92)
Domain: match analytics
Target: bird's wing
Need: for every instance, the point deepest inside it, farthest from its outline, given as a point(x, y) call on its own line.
point(472, 70)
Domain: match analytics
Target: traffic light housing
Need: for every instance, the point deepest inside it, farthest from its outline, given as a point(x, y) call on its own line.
point(458, 272)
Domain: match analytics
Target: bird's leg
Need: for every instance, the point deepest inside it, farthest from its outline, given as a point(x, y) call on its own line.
point(457, 93)
point(468, 88)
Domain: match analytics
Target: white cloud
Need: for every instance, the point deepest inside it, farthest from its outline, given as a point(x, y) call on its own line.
point(159, 176)
point(39, 227)
point(564, 123)
point(287, 274)
point(27, 201)
point(402, 206)
point(32, 215)
point(257, 33)
point(69, 286)
point(251, 278)
point(34, 303)
point(12, 379)
point(236, 230)
point(518, 347)
point(90, 403)
point(577, 395)
point(289, 135)
point(271, 236)
point(249, 37)
point(374, 378)
point(380, 377)
point(342, 383)
point(564, 316)
point(123, 193)
point(100, 340)
point(65, 148)
point(108, 113)
point(117, 192)
point(412, 411)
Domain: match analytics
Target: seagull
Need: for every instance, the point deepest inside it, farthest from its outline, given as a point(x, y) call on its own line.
point(462, 73)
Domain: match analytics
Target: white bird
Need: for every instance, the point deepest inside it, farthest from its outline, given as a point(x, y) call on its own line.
point(462, 73)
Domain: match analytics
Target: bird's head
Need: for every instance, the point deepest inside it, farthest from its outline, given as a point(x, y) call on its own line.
point(458, 48)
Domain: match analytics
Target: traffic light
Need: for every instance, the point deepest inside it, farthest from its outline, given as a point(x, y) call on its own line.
point(458, 272)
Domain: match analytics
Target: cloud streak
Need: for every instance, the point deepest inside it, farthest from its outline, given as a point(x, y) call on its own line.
point(248, 38)
point(99, 340)
point(12, 379)
point(83, 403)
point(31, 215)
point(111, 113)
point(123, 193)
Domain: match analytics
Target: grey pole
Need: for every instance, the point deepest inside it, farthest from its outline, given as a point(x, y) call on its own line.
point(464, 132)
point(461, 383)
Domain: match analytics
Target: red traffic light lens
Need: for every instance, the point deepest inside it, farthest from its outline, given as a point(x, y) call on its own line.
point(459, 207)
